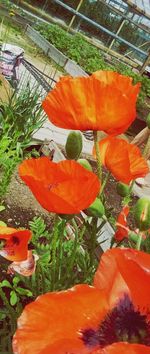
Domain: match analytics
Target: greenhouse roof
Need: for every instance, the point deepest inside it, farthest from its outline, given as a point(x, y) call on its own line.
point(142, 6)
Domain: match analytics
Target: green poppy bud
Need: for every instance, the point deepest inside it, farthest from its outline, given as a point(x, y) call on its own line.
point(85, 163)
point(142, 214)
point(74, 145)
point(96, 208)
point(122, 189)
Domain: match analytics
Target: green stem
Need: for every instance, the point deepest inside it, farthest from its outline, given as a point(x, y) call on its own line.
point(146, 151)
point(73, 254)
point(131, 186)
point(139, 240)
point(105, 182)
point(38, 279)
point(93, 239)
point(60, 255)
point(99, 165)
point(43, 285)
point(54, 258)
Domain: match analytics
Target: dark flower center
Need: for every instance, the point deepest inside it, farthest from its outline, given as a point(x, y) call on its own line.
point(15, 240)
point(124, 323)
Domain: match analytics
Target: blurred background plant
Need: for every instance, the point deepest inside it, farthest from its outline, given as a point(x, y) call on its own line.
point(20, 116)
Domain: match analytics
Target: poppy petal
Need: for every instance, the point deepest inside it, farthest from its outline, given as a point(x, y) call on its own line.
point(122, 230)
point(16, 243)
point(125, 348)
point(109, 279)
point(122, 159)
point(93, 103)
point(41, 324)
point(125, 271)
point(60, 187)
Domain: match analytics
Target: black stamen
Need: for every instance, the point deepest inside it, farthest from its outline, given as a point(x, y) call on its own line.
point(123, 323)
point(15, 240)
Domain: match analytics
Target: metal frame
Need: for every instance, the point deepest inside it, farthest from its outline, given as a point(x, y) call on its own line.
point(114, 36)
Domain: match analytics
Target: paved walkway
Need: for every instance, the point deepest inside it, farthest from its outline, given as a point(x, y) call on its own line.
point(51, 132)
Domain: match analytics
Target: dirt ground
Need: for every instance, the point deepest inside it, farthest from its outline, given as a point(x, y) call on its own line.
point(21, 206)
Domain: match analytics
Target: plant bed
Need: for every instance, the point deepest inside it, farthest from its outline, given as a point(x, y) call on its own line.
point(61, 252)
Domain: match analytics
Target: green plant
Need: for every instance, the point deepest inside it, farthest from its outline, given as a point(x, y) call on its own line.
point(16, 292)
point(20, 117)
point(60, 255)
point(75, 47)
point(89, 57)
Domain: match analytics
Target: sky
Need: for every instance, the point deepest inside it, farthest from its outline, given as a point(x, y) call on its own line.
point(143, 4)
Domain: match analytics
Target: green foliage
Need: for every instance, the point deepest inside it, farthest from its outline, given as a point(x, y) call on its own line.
point(62, 262)
point(75, 47)
point(89, 57)
point(19, 118)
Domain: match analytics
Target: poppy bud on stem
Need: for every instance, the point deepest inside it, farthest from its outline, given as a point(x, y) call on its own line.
point(98, 159)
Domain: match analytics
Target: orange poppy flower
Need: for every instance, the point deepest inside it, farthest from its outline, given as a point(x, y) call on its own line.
point(15, 243)
point(65, 187)
point(122, 159)
point(106, 101)
point(122, 230)
point(97, 319)
point(26, 267)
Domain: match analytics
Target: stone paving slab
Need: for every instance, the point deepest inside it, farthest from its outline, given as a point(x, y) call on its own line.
point(51, 132)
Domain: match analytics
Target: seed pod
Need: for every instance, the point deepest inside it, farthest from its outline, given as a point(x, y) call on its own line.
point(85, 163)
point(96, 208)
point(73, 145)
point(148, 121)
point(122, 189)
point(142, 214)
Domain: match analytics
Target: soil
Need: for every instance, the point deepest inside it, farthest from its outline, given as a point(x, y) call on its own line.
point(21, 206)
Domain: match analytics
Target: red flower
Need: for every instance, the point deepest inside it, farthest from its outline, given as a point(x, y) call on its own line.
point(122, 230)
point(26, 267)
point(15, 243)
point(111, 318)
point(122, 159)
point(64, 187)
point(106, 101)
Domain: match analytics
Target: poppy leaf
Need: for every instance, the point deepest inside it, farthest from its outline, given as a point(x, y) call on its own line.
point(5, 283)
point(13, 298)
point(22, 291)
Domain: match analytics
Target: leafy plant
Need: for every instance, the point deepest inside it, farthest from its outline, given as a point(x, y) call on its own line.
point(16, 291)
point(89, 57)
point(20, 117)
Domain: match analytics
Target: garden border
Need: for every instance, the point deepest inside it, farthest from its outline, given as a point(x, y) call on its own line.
point(53, 53)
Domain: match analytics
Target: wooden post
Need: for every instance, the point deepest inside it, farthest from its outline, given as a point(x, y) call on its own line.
point(146, 62)
point(118, 31)
point(73, 18)
point(45, 5)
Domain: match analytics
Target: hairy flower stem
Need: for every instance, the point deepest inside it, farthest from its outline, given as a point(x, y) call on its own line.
point(54, 256)
point(74, 251)
point(99, 166)
point(60, 250)
point(139, 240)
point(146, 151)
point(104, 183)
point(131, 186)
